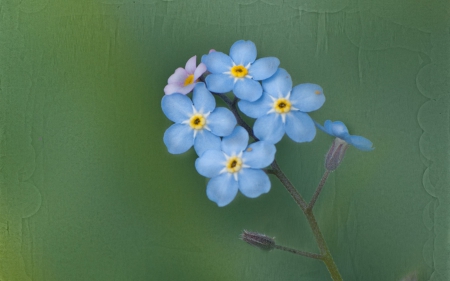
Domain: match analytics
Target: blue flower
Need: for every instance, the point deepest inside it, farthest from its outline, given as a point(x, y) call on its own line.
point(339, 130)
point(233, 166)
point(282, 109)
point(239, 71)
point(198, 123)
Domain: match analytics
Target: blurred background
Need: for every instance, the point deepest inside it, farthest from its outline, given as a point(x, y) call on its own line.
point(88, 190)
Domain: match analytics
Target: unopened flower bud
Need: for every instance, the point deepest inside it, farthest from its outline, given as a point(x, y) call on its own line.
point(258, 240)
point(335, 154)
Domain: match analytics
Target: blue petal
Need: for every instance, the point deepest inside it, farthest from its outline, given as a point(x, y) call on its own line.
point(205, 140)
point(300, 127)
point(264, 68)
point(259, 155)
point(210, 163)
point(307, 97)
point(253, 183)
point(361, 143)
point(326, 128)
point(177, 107)
point(236, 142)
point(257, 108)
point(337, 128)
point(203, 100)
point(247, 89)
point(243, 52)
point(219, 83)
point(269, 128)
point(222, 189)
point(221, 121)
point(217, 62)
point(178, 138)
point(279, 85)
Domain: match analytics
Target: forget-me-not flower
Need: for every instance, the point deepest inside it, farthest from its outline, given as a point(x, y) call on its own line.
point(239, 71)
point(184, 79)
point(234, 166)
point(197, 122)
point(283, 109)
point(343, 139)
point(339, 130)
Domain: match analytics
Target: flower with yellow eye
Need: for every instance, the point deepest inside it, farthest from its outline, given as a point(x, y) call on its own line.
point(234, 166)
point(283, 109)
point(198, 122)
point(239, 71)
point(184, 79)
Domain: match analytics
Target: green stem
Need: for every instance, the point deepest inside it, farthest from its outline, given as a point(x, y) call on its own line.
point(298, 252)
point(321, 243)
point(319, 189)
point(324, 251)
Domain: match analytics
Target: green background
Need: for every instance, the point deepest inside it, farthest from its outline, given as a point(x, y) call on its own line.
point(88, 190)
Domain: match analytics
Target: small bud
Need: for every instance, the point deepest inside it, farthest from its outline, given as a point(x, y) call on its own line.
point(258, 240)
point(335, 154)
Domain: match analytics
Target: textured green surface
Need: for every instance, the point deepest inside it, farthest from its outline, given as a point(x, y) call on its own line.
point(89, 192)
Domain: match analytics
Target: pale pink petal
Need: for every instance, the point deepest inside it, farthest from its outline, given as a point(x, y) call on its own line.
point(178, 77)
point(187, 89)
point(201, 68)
point(190, 65)
point(212, 50)
point(172, 89)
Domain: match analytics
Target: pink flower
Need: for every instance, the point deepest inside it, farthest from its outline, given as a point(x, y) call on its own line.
point(184, 79)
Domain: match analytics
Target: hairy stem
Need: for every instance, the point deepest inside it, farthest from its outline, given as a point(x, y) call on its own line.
point(321, 243)
point(297, 252)
point(319, 189)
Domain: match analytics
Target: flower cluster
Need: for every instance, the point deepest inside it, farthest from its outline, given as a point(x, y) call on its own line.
point(262, 91)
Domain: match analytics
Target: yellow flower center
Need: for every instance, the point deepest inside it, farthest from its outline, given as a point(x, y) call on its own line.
point(189, 80)
point(239, 71)
point(197, 121)
point(234, 164)
point(282, 105)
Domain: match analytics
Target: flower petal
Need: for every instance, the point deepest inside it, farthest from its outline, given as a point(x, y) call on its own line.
point(325, 128)
point(243, 52)
point(190, 65)
point(222, 189)
point(279, 85)
point(361, 143)
point(247, 89)
point(221, 122)
point(217, 62)
point(300, 127)
point(186, 89)
point(259, 155)
point(178, 77)
point(205, 140)
point(257, 108)
point(172, 89)
point(236, 142)
point(177, 107)
point(210, 163)
point(337, 128)
point(269, 128)
point(219, 83)
point(201, 68)
point(307, 97)
point(203, 100)
point(253, 183)
point(264, 68)
point(178, 138)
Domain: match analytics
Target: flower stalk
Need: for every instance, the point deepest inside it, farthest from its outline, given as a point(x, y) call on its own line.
point(325, 254)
